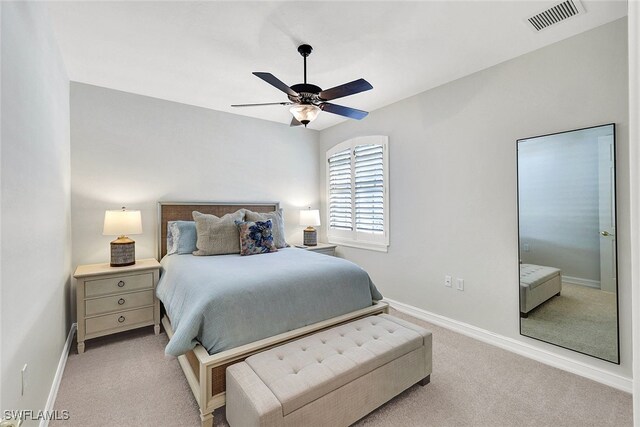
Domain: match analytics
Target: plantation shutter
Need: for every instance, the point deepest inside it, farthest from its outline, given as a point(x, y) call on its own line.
point(369, 188)
point(357, 193)
point(340, 206)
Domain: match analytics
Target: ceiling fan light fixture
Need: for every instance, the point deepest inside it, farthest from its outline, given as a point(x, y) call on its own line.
point(305, 113)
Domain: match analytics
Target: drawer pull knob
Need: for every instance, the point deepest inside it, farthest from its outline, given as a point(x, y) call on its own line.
point(121, 319)
point(121, 301)
point(121, 284)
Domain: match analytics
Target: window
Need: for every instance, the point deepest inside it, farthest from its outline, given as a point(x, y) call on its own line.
point(357, 193)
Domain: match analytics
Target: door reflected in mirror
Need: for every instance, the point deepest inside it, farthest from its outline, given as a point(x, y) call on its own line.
point(567, 240)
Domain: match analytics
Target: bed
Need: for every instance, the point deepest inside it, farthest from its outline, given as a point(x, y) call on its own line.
point(205, 372)
point(538, 284)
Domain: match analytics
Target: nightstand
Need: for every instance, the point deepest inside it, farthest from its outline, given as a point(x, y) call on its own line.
point(116, 299)
point(322, 248)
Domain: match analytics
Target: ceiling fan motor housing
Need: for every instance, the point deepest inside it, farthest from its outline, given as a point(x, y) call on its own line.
point(308, 93)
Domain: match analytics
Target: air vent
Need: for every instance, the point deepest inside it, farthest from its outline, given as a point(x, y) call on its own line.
point(555, 14)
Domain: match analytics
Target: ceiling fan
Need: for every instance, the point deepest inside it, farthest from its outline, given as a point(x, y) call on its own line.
point(308, 100)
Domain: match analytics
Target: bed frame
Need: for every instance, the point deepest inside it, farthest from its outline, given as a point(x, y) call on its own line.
point(206, 373)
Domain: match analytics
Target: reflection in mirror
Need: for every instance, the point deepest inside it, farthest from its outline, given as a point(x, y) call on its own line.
point(567, 239)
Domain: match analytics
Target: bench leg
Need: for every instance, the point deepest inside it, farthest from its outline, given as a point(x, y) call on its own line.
point(423, 382)
point(206, 419)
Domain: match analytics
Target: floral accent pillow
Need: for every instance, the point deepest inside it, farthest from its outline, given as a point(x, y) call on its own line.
point(256, 237)
point(277, 222)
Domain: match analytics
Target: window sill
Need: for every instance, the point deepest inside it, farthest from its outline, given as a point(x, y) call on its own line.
point(378, 247)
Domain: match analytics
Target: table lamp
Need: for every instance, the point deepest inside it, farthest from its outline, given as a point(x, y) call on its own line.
point(310, 217)
point(120, 223)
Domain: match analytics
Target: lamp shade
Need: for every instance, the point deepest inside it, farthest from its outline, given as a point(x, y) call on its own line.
point(305, 113)
point(122, 222)
point(310, 217)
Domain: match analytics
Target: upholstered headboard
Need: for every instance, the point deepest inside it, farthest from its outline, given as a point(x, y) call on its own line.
point(181, 211)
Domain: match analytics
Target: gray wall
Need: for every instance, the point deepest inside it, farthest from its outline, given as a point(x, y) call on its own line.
point(634, 163)
point(131, 150)
point(36, 251)
point(453, 178)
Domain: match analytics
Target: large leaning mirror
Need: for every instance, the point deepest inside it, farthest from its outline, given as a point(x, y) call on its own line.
point(567, 240)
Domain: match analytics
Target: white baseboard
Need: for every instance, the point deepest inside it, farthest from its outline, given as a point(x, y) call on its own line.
point(58, 377)
point(524, 349)
point(580, 281)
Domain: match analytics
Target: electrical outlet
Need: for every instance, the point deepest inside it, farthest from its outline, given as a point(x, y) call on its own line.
point(447, 281)
point(25, 379)
point(460, 284)
point(526, 247)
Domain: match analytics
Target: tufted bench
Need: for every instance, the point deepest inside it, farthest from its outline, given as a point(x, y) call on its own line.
point(538, 284)
point(333, 377)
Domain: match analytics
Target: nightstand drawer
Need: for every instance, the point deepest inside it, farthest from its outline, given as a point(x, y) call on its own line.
point(118, 320)
point(95, 288)
point(118, 302)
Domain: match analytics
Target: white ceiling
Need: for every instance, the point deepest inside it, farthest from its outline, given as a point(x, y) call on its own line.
point(203, 53)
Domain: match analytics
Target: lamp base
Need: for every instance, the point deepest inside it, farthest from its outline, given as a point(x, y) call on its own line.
point(123, 252)
point(310, 237)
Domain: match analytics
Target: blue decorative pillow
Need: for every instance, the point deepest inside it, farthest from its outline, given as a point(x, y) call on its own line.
point(181, 237)
point(277, 222)
point(256, 237)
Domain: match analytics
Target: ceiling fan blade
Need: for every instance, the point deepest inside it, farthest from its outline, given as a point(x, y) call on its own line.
point(260, 105)
point(295, 122)
point(346, 89)
point(274, 81)
point(352, 113)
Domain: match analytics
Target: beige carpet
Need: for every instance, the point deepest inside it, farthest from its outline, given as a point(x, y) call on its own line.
point(127, 380)
point(581, 318)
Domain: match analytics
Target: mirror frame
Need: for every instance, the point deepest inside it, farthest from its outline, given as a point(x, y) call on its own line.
point(615, 215)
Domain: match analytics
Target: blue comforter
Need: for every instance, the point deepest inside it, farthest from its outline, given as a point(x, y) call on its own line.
point(226, 301)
